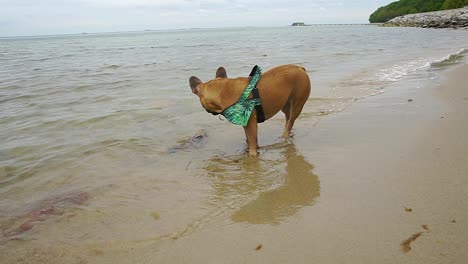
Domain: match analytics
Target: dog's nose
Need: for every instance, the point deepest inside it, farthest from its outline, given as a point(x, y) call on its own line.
point(211, 112)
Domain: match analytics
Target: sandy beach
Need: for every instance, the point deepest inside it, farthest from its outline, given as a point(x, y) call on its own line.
point(388, 185)
point(383, 181)
point(389, 170)
point(110, 152)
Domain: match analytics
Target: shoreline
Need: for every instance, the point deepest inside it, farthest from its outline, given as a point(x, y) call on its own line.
point(387, 178)
point(382, 181)
point(400, 171)
point(388, 181)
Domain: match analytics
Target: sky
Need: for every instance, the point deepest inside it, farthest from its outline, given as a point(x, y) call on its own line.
point(49, 17)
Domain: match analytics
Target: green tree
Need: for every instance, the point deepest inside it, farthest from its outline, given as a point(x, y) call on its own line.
point(450, 4)
point(403, 7)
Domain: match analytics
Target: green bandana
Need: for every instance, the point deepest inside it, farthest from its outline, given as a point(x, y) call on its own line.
point(239, 113)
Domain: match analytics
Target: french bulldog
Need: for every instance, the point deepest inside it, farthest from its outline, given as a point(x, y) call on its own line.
point(285, 88)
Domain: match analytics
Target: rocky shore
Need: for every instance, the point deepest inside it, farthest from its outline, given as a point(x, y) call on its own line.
point(454, 18)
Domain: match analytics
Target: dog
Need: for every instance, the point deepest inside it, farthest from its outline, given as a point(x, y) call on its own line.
point(285, 88)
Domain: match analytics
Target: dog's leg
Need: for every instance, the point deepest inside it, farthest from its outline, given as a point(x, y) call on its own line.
point(291, 115)
point(251, 135)
point(287, 113)
point(295, 110)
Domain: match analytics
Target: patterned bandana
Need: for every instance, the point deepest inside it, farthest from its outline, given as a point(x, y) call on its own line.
point(239, 113)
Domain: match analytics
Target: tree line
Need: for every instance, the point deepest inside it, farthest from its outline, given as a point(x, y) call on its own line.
point(403, 7)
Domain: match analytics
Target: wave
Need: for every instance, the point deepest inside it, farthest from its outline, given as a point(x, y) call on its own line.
point(19, 97)
point(372, 82)
point(150, 64)
point(112, 66)
point(107, 68)
point(323, 106)
point(41, 59)
point(199, 45)
point(450, 59)
point(22, 162)
point(398, 71)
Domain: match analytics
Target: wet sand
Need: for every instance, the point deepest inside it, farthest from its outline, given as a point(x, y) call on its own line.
point(384, 181)
point(391, 174)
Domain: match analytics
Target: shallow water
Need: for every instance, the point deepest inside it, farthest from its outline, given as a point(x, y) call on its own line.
point(112, 116)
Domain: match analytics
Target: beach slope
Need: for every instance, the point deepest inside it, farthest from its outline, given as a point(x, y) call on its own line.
point(384, 181)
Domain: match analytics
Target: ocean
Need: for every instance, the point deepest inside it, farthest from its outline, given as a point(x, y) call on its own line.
point(101, 134)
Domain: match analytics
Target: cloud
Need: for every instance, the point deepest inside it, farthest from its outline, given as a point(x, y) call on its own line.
point(32, 17)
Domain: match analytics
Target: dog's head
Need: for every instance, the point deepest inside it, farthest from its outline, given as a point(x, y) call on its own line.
point(209, 93)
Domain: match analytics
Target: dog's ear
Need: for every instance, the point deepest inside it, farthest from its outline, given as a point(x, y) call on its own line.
point(221, 73)
point(194, 82)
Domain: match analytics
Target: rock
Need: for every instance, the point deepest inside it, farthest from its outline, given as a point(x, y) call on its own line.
point(454, 18)
point(194, 142)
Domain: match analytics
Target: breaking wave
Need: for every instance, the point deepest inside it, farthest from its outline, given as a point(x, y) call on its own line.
point(398, 71)
point(450, 59)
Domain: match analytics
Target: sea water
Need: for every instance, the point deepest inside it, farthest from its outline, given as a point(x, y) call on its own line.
point(105, 129)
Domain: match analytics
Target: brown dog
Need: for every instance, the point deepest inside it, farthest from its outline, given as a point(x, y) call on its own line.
point(284, 88)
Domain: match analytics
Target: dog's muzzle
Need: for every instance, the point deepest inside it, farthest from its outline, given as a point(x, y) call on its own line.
point(211, 112)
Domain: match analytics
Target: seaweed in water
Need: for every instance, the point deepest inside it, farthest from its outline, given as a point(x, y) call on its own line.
point(56, 205)
point(195, 142)
point(406, 245)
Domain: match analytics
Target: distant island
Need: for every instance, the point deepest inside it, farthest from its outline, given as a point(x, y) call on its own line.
point(403, 7)
point(299, 24)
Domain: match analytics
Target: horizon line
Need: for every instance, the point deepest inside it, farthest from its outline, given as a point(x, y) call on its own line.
point(175, 29)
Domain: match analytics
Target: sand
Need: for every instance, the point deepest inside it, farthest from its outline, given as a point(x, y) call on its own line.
point(384, 181)
point(373, 161)
point(391, 187)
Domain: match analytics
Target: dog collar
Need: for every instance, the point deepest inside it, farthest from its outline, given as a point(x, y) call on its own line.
point(239, 113)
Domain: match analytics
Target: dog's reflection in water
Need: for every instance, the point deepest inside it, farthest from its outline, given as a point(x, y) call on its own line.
point(264, 190)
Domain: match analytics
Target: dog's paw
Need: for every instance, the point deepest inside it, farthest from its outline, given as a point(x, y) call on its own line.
point(253, 153)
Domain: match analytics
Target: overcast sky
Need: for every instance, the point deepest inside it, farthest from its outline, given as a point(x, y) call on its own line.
point(39, 17)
